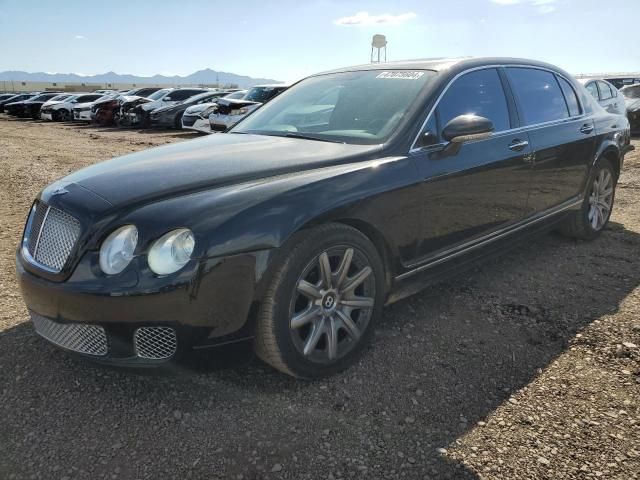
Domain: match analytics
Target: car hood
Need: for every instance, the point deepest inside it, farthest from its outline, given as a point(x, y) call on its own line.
point(201, 107)
point(217, 160)
point(50, 103)
point(147, 107)
point(83, 105)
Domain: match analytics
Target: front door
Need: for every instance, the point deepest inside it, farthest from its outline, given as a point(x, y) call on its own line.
point(483, 187)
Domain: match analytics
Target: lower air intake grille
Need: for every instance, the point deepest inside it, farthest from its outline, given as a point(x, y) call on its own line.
point(155, 342)
point(82, 338)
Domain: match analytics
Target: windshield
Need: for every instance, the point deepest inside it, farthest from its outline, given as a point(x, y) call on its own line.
point(262, 94)
point(59, 97)
point(354, 107)
point(236, 95)
point(631, 92)
point(203, 96)
point(158, 95)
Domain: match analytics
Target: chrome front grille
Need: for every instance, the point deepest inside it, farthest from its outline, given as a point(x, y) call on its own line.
point(79, 337)
point(155, 343)
point(50, 236)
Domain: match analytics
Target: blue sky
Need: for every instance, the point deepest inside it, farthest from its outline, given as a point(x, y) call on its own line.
point(288, 39)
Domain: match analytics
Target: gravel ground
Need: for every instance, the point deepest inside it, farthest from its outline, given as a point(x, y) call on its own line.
point(526, 367)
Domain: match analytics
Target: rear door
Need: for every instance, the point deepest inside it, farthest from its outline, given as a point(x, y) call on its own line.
point(563, 138)
point(483, 187)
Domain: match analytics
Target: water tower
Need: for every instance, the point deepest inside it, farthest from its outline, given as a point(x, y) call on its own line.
point(378, 43)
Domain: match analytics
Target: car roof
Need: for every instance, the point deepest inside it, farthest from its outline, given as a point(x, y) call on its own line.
point(443, 64)
point(271, 85)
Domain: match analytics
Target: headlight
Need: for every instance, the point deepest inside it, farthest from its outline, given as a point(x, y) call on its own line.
point(239, 111)
point(172, 251)
point(208, 111)
point(117, 250)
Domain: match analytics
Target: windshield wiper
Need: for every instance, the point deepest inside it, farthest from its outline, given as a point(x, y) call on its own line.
point(303, 136)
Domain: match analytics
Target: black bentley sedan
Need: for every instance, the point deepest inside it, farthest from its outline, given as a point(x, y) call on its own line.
point(293, 229)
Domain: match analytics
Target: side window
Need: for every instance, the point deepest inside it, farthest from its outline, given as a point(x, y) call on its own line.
point(605, 91)
point(180, 95)
point(570, 97)
point(477, 93)
point(593, 90)
point(539, 95)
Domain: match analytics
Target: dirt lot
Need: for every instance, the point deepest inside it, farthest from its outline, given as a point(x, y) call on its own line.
point(527, 367)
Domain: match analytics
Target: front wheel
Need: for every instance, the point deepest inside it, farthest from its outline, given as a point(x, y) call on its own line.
point(324, 296)
point(593, 216)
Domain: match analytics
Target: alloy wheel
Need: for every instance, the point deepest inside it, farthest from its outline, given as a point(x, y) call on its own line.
point(601, 199)
point(332, 304)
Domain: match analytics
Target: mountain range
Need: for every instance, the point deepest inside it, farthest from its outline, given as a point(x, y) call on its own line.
point(206, 76)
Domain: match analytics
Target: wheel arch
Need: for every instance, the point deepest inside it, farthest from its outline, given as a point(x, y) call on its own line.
point(374, 235)
point(611, 152)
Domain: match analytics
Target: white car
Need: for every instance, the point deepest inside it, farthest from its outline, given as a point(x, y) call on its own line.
point(196, 117)
point(230, 112)
point(62, 110)
point(605, 94)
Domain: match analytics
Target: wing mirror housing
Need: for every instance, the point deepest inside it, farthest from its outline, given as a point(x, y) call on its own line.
point(465, 128)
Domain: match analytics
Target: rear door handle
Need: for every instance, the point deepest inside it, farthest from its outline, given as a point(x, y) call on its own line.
point(586, 129)
point(518, 145)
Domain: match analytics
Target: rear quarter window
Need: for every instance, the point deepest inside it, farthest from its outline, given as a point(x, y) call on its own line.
point(570, 97)
point(539, 96)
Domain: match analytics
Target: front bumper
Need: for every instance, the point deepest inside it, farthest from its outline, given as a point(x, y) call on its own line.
point(46, 116)
point(200, 125)
point(83, 115)
point(220, 122)
point(206, 305)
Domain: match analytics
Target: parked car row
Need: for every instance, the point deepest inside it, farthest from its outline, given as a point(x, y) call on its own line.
point(209, 110)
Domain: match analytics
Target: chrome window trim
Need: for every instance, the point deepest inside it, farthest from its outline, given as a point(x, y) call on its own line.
point(486, 239)
point(415, 149)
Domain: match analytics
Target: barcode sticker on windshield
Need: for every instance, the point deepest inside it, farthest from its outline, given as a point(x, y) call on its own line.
point(403, 75)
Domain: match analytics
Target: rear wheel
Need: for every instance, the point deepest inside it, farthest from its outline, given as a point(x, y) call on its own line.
point(325, 294)
point(595, 211)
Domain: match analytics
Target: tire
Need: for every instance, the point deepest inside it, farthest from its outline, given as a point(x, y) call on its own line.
point(177, 122)
point(590, 220)
point(306, 350)
point(62, 116)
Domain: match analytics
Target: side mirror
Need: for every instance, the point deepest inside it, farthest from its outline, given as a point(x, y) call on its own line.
point(166, 99)
point(465, 128)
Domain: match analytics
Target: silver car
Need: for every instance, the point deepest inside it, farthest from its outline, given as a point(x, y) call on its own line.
point(606, 95)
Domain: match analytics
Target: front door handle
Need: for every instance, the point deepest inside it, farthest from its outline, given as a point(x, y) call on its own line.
point(586, 129)
point(518, 145)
